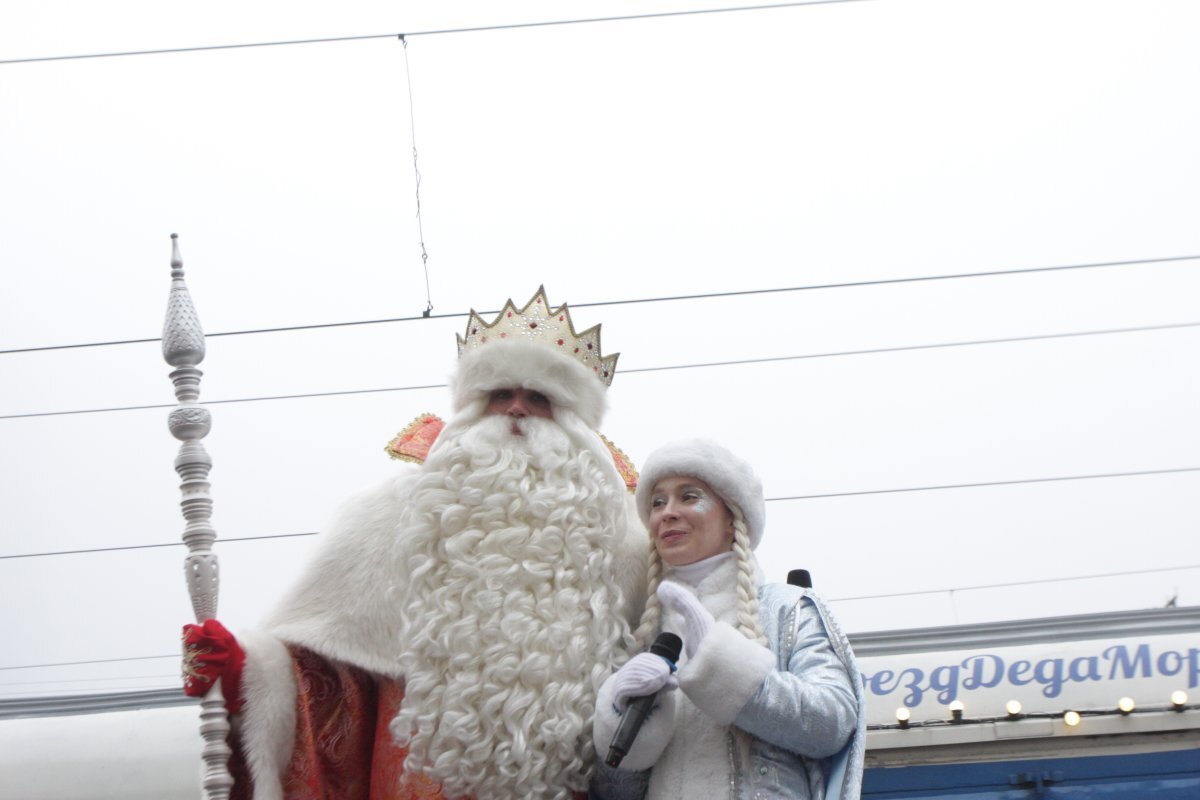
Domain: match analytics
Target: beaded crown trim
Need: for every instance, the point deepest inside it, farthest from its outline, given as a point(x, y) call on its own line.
point(539, 324)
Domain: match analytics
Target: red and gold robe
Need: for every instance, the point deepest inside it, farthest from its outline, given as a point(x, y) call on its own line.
point(343, 749)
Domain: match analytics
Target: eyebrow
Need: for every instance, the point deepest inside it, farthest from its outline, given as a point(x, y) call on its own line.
point(681, 488)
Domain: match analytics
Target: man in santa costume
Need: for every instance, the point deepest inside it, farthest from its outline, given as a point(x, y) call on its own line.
point(449, 636)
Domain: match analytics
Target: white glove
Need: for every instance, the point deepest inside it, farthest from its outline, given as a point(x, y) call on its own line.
point(643, 674)
point(697, 619)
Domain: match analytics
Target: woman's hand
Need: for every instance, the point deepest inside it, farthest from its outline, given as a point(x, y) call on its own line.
point(645, 673)
point(210, 653)
point(697, 619)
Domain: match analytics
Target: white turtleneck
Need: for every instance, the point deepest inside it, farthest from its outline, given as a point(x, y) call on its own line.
point(696, 760)
point(692, 574)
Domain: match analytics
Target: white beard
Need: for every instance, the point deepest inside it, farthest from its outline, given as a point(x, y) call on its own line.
point(511, 612)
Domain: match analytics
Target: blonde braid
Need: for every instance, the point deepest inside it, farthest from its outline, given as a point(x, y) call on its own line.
point(747, 592)
point(651, 619)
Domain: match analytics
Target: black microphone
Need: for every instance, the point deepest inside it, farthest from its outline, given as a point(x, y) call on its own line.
point(669, 646)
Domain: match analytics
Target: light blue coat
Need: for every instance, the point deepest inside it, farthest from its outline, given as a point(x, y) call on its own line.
point(787, 715)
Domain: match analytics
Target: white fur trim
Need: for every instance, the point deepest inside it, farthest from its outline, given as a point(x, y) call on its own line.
point(653, 737)
point(725, 673)
point(343, 605)
point(267, 722)
point(512, 364)
point(729, 476)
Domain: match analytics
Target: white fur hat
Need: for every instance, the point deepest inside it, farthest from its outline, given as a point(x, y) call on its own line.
point(512, 364)
point(729, 476)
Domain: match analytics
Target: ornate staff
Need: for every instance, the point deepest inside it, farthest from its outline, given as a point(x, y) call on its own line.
point(183, 349)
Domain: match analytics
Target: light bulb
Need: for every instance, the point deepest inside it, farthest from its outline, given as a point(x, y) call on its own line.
point(1179, 699)
point(903, 715)
point(1125, 705)
point(1071, 718)
point(1013, 708)
point(956, 710)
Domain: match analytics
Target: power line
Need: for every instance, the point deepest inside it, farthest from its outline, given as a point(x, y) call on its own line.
point(1022, 583)
point(834, 599)
point(338, 393)
point(82, 663)
point(434, 32)
point(121, 548)
point(901, 490)
point(106, 679)
point(665, 368)
point(640, 300)
point(1023, 481)
point(909, 348)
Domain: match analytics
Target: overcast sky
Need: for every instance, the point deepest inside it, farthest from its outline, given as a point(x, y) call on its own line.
point(851, 143)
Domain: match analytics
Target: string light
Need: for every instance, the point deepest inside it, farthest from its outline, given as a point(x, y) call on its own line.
point(1014, 710)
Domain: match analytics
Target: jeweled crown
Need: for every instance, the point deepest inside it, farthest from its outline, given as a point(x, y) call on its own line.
point(539, 324)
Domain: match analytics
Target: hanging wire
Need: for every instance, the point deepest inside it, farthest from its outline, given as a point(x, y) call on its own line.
point(15, 667)
point(412, 122)
point(996, 273)
point(438, 32)
point(905, 489)
point(636, 370)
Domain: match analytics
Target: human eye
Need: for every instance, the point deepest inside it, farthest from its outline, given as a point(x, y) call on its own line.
point(502, 394)
point(658, 502)
point(539, 399)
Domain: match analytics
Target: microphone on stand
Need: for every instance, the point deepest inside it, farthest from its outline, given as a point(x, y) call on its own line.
point(669, 646)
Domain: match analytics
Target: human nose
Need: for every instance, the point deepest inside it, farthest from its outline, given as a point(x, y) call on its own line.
point(517, 408)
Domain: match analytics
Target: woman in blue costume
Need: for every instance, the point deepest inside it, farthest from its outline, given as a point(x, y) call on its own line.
point(766, 700)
